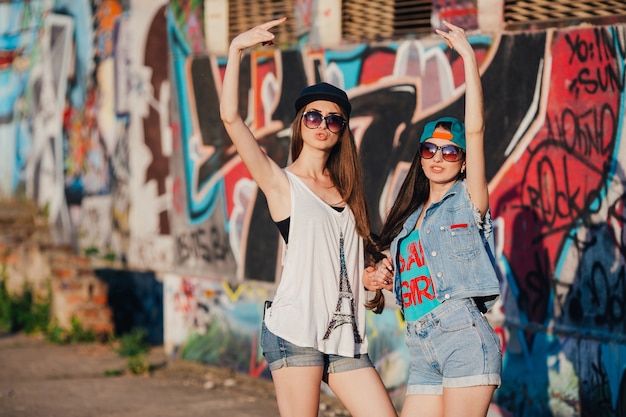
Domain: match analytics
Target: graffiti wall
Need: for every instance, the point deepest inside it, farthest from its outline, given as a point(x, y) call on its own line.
point(109, 120)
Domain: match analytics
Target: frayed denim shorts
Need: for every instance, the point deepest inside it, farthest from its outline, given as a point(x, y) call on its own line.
point(453, 346)
point(278, 353)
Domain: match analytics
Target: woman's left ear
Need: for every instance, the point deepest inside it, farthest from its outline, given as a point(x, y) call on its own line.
point(463, 168)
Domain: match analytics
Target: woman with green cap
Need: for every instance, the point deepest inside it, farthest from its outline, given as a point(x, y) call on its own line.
point(439, 235)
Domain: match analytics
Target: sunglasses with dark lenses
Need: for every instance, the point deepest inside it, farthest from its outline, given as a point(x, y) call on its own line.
point(449, 153)
point(313, 119)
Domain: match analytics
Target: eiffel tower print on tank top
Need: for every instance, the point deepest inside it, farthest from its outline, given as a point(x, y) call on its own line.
point(345, 296)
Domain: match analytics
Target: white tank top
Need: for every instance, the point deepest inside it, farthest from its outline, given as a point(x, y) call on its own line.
point(305, 307)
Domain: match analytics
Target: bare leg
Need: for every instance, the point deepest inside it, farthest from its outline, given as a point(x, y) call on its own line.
point(468, 401)
point(298, 390)
point(423, 406)
point(362, 392)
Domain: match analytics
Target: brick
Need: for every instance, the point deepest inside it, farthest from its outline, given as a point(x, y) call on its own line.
point(63, 273)
point(101, 328)
point(82, 262)
point(90, 313)
point(100, 300)
point(75, 299)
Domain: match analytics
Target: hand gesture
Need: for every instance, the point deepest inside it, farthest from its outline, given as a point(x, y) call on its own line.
point(257, 35)
point(379, 277)
point(456, 39)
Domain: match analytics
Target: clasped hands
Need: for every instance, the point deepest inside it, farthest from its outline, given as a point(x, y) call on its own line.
point(380, 276)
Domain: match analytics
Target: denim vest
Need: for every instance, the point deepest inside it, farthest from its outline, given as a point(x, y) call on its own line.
point(458, 247)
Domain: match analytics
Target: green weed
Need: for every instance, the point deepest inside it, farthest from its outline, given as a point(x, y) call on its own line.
point(138, 365)
point(29, 313)
point(75, 334)
point(135, 346)
point(23, 312)
point(5, 303)
point(133, 343)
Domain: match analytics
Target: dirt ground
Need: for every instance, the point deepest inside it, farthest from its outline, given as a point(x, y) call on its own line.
point(40, 379)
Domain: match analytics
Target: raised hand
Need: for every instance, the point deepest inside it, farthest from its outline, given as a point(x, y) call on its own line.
point(257, 35)
point(456, 39)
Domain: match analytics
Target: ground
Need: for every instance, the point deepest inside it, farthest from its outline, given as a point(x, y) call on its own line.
point(38, 378)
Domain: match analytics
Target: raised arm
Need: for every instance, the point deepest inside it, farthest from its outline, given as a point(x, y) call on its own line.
point(474, 118)
point(263, 169)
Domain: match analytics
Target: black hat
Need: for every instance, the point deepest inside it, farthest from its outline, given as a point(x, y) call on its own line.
point(323, 91)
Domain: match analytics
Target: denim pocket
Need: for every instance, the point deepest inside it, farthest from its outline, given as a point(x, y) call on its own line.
point(490, 334)
point(463, 243)
point(455, 319)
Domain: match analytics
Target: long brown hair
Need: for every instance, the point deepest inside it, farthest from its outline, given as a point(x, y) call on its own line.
point(345, 169)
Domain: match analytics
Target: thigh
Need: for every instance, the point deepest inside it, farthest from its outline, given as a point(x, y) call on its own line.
point(362, 392)
point(468, 401)
point(298, 390)
point(296, 372)
point(423, 405)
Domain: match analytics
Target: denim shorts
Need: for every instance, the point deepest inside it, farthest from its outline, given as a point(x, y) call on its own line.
point(453, 346)
point(278, 353)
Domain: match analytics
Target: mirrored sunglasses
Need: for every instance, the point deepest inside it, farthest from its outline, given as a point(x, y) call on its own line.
point(449, 153)
point(313, 119)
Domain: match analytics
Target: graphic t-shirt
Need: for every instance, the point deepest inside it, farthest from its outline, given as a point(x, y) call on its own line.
point(416, 285)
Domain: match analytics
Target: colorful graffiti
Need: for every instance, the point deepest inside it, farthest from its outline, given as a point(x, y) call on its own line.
point(123, 144)
point(560, 200)
point(553, 137)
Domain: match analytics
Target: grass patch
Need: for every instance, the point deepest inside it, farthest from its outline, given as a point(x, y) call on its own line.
point(24, 312)
point(135, 346)
point(75, 334)
point(29, 313)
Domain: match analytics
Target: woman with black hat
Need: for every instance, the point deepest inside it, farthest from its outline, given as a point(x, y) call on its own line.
point(314, 330)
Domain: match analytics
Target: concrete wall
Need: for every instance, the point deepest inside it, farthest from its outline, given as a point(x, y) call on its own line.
point(112, 122)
